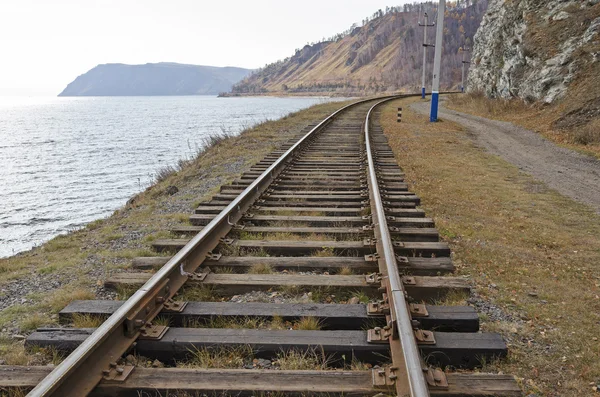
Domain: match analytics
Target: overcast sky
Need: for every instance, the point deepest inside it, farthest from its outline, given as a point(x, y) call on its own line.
point(45, 44)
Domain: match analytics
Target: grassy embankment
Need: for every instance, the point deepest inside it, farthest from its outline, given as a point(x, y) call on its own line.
point(77, 263)
point(527, 250)
point(580, 132)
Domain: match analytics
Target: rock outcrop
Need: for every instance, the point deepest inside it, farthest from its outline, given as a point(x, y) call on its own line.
point(536, 49)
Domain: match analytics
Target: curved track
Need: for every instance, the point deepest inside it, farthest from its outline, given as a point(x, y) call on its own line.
point(326, 224)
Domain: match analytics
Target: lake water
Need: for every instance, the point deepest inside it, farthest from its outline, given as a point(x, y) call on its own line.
point(67, 161)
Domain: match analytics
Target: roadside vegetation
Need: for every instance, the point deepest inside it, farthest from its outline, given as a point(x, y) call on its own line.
point(579, 131)
point(37, 284)
point(531, 254)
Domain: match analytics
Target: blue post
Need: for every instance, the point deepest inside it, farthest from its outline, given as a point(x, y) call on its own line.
point(435, 97)
point(437, 62)
point(423, 92)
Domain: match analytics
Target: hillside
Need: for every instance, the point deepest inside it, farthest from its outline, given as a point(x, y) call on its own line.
point(536, 49)
point(544, 52)
point(154, 79)
point(384, 54)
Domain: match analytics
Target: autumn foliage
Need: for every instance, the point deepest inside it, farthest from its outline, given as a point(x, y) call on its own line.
point(384, 53)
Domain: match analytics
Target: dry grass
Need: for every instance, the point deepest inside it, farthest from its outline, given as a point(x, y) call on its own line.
point(300, 211)
point(236, 323)
point(61, 298)
point(286, 224)
point(53, 355)
point(530, 252)
point(324, 252)
point(477, 102)
point(125, 291)
point(14, 353)
point(589, 134)
point(222, 270)
point(302, 360)
point(34, 321)
point(345, 271)
point(321, 294)
point(286, 236)
point(218, 357)
point(454, 298)
point(261, 253)
point(162, 320)
point(278, 323)
point(361, 296)
point(165, 173)
point(13, 392)
point(239, 323)
point(229, 250)
point(308, 324)
point(356, 365)
point(139, 360)
point(290, 290)
point(198, 293)
point(260, 268)
point(535, 117)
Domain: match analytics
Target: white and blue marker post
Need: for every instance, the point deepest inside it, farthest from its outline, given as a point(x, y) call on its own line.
point(437, 62)
point(425, 45)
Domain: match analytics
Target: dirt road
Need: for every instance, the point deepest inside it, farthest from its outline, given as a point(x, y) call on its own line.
point(570, 173)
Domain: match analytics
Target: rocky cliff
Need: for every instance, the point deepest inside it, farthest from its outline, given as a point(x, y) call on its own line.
point(154, 79)
point(539, 50)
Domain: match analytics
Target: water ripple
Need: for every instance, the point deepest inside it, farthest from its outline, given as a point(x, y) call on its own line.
point(66, 161)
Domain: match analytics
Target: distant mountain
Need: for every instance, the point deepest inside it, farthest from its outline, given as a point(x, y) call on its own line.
point(116, 79)
point(384, 54)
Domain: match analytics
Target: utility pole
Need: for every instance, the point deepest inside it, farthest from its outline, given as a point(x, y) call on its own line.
point(464, 62)
point(425, 45)
point(437, 62)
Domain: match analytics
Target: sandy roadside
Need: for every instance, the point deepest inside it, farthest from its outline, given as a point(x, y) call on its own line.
point(572, 174)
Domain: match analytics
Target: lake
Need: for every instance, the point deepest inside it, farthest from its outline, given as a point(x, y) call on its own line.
point(67, 161)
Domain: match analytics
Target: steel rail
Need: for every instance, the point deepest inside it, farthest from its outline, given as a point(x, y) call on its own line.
point(81, 371)
point(417, 385)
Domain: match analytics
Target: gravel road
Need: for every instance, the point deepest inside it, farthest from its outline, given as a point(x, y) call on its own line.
point(570, 173)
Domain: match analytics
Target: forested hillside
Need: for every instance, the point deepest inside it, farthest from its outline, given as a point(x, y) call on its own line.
point(384, 53)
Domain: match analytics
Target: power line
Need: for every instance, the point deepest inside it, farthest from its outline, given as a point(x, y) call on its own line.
point(425, 45)
point(464, 50)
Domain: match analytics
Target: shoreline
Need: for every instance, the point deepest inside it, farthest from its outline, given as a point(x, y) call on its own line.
point(75, 182)
point(326, 94)
point(283, 94)
point(36, 284)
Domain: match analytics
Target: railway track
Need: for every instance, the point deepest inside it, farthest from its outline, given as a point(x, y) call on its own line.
point(338, 281)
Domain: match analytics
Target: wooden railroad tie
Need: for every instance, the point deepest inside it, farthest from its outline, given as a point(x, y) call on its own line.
point(309, 214)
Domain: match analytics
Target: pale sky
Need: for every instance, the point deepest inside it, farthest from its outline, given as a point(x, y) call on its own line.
point(45, 44)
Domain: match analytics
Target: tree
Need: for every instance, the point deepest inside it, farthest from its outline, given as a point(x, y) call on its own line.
point(398, 66)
